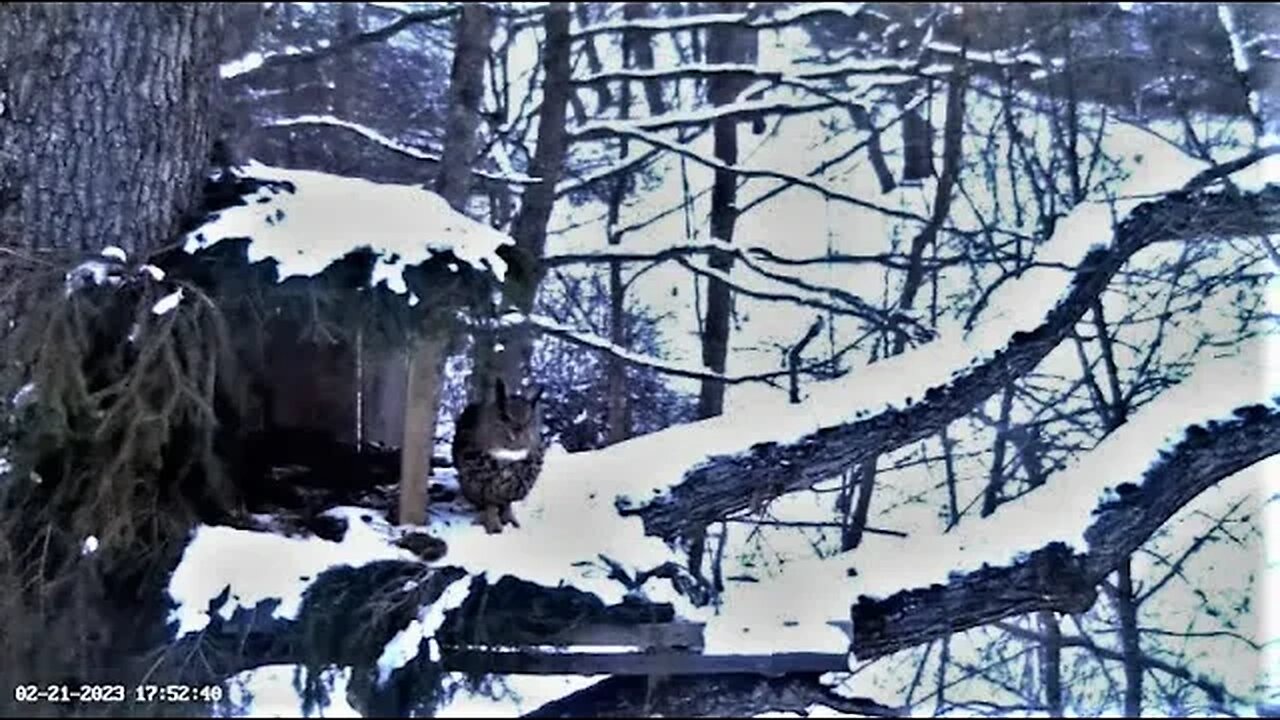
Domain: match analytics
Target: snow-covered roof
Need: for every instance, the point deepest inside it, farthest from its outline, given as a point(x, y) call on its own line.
point(324, 217)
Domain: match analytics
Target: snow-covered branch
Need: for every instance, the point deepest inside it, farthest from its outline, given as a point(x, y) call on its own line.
point(741, 110)
point(1054, 577)
point(785, 17)
point(255, 64)
point(372, 135)
point(626, 254)
point(1002, 58)
point(888, 70)
point(570, 334)
point(730, 483)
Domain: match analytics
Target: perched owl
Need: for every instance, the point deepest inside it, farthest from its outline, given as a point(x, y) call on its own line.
point(497, 450)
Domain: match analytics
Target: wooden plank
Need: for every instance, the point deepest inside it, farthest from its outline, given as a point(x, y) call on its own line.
point(657, 663)
point(648, 636)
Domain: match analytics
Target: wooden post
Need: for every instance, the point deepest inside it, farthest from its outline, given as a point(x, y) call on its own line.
point(426, 363)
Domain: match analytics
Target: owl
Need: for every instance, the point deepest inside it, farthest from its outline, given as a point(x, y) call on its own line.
point(497, 450)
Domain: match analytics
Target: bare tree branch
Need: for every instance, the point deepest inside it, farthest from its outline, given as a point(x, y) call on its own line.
point(1214, 690)
point(374, 136)
point(817, 185)
point(404, 22)
point(786, 17)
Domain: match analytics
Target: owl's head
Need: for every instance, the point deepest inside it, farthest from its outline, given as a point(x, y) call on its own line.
point(510, 423)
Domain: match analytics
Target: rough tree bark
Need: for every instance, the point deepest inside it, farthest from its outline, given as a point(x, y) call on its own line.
point(430, 349)
point(106, 119)
point(105, 122)
point(725, 44)
point(525, 270)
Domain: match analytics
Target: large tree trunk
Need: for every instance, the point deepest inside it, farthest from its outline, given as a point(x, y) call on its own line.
point(105, 131)
point(430, 350)
point(637, 51)
point(466, 91)
point(512, 360)
point(725, 44)
point(105, 121)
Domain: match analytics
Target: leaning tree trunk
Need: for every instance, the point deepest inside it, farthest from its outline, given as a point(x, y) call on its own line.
point(512, 357)
point(104, 121)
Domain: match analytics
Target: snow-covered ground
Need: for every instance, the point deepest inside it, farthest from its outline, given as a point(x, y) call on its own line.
point(575, 499)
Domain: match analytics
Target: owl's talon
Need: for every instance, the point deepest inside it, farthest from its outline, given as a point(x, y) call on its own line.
point(509, 517)
point(492, 520)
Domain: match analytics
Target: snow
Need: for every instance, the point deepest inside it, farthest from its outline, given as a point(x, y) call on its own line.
point(92, 272)
point(568, 503)
point(240, 66)
point(572, 500)
point(24, 395)
point(156, 273)
point(404, 646)
point(268, 691)
point(362, 130)
point(261, 565)
point(167, 303)
point(524, 693)
point(1239, 57)
point(770, 616)
point(329, 216)
point(996, 57)
point(115, 253)
point(90, 546)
